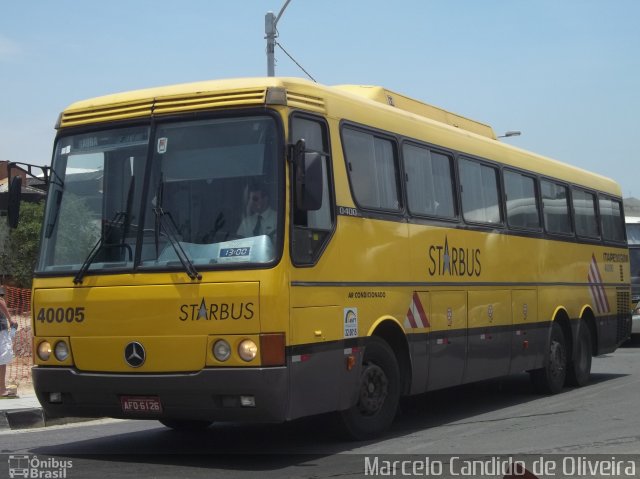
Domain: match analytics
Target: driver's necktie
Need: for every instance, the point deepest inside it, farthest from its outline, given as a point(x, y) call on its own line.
point(256, 229)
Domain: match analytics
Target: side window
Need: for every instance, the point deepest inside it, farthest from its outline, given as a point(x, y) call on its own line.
point(522, 207)
point(312, 229)
point(479, 188)
point(555, 205)
point(584, 211)
point(633, 234)
point(373, 172)
point(611, 217)
point(429, 182)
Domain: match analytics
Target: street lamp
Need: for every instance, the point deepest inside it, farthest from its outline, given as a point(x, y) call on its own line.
point(270, 23)
point(507, 134)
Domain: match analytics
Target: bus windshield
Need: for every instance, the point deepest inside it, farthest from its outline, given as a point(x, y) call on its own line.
point(202, 193)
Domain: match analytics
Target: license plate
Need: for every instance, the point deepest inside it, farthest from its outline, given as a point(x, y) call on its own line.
point(141, 404)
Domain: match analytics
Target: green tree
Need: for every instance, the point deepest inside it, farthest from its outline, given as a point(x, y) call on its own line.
point(21, 247)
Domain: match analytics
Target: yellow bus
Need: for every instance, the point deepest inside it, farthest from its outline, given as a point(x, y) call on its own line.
point(269, 248)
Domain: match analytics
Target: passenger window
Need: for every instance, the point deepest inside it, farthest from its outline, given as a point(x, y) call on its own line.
point(479, 188)
point(522, 207)
point(429, 182)
point(611, 217)
point(555, 205)
point(373, 171)
point(312, 229)
point(584, 210)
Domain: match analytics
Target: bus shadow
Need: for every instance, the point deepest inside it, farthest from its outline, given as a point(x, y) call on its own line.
point(448, 406)
point(632, 342)
point(295, 444)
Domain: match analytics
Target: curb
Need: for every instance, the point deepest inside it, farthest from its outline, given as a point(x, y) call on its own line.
point(31, 418)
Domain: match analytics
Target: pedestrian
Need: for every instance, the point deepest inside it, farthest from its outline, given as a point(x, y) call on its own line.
point(6, 345)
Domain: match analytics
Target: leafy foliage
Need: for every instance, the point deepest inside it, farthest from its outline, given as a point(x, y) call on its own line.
point(21, 247)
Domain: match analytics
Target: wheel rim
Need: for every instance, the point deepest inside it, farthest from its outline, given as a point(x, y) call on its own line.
point(374, 388)
point(556, 359)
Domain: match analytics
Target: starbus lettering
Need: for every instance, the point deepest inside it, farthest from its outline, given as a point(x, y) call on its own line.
point(216, 311)
point(453, 261)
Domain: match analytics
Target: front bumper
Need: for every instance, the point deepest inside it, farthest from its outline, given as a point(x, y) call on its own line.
point(209, 394)
point(635, 324)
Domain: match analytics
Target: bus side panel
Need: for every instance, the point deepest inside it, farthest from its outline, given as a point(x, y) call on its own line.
point(320, 380)
point(448, 341)
point(419, 351)
point(489, 335)
point(529, 336)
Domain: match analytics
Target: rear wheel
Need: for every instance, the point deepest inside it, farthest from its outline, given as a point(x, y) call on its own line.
point(186, 424)
point(550, 379)
point(579, 370)
point(378, 392)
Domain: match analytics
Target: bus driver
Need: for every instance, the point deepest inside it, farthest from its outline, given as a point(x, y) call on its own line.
point(260, 218)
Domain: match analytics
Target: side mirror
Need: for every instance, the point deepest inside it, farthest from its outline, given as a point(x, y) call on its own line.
point(308, 178)
point(13, 207)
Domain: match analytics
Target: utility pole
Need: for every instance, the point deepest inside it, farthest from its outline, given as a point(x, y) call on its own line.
point(270, 23)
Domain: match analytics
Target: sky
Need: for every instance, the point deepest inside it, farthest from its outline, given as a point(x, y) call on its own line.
point(566, 73)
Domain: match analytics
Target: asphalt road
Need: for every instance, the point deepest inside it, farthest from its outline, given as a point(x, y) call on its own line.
point(500, 417)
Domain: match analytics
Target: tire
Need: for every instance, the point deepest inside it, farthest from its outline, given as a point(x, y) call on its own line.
point(186, 424)
point(550, 379)
point(579, 369)
point(378, 393)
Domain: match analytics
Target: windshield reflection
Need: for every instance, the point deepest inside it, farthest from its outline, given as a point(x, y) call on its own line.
point(212, 198)
point(93, 200)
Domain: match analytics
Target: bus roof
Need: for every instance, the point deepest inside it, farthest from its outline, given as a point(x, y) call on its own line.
point(383, 95)
point(373, 105)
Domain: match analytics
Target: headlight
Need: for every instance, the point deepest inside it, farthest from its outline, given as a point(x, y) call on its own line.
point(61, 351)
point(221, 350)
point(247, 350)
point(44, 350)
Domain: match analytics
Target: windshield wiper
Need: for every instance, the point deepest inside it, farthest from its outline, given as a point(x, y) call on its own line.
point(118, 218)
point(171, 231)
point(122, 218)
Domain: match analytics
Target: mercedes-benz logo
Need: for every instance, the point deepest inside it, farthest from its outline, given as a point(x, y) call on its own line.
point(134, 354)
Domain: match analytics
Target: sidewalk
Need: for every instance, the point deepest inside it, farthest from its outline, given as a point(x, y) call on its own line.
point(25, 412)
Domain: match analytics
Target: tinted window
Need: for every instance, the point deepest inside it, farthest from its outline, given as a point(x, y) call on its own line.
point(522, 207)
point(584, 209)
point(633, 233)
point(480, 198)
point(555, 205)
point(429, 182)
point(634, 259)
point(611, 216)
point(371, 162)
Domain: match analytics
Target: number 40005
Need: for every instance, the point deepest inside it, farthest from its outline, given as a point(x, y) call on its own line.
point(61, 315)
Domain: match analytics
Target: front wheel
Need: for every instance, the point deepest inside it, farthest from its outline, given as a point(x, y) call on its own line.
point(378, 392)
point(550, 379)
point(579, 370)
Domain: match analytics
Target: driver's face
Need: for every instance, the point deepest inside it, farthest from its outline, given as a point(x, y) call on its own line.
point(258, 202)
